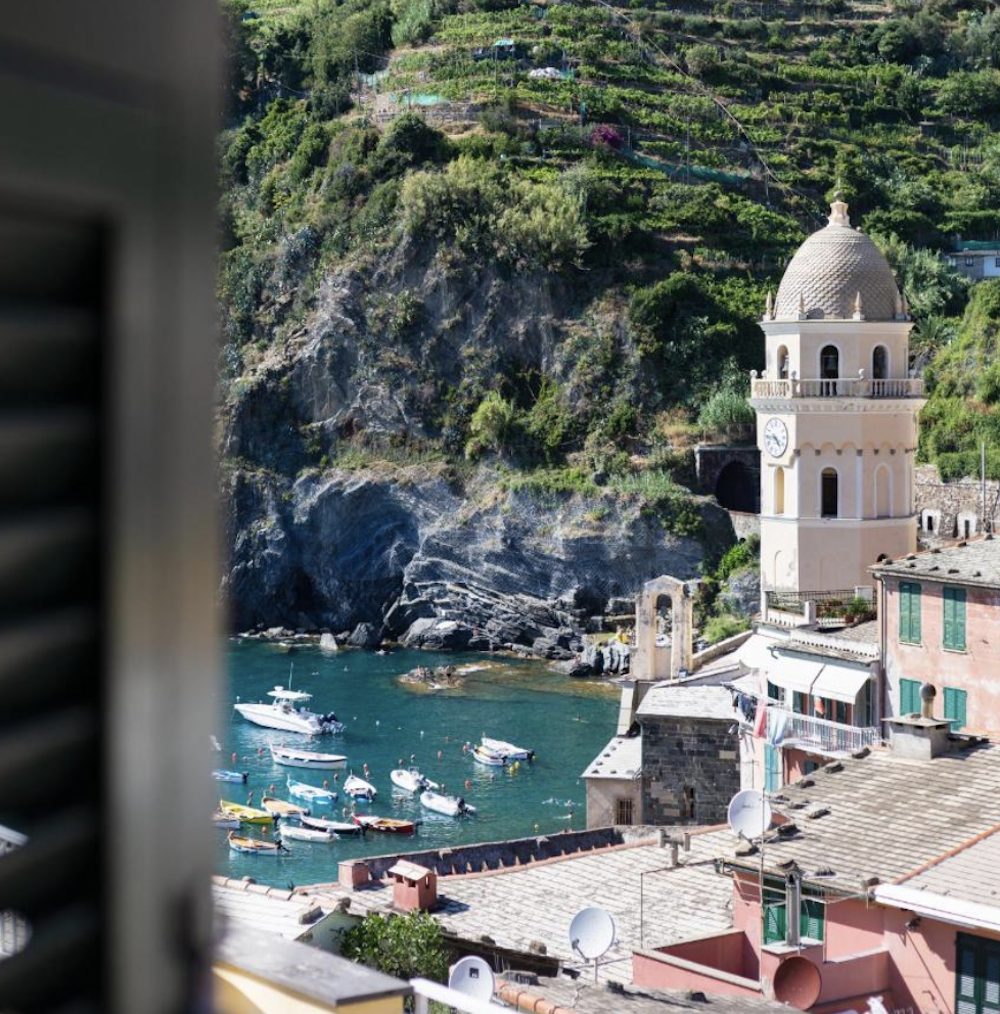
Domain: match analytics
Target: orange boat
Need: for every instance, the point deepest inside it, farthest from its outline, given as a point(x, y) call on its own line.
point(388, 825)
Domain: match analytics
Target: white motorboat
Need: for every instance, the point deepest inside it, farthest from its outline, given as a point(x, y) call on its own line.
point(282, 713)
point(411, 780)
point(507, 750)
point(292, 757)
point(358, 788)
point(296, 832)
point(450, 806)
point(311, 792)
point(336, 826)
point(488, 757)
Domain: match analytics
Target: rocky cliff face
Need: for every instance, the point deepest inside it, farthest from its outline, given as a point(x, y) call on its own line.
point(415, 553)
point(430, 564)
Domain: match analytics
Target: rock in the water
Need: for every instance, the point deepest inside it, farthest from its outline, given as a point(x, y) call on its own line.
point(580, 670)
point(436, 634)
point(327, 642)
point(365, 635)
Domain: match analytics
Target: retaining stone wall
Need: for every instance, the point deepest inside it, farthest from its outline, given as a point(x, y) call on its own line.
point(949, 500)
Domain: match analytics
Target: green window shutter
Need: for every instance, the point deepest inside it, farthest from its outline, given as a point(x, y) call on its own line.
point(772, 768)
point(909, 696)
point(812, 919)
point(774, 923)
point(977, 978)
point(954, 618)
point(909, 612)
point(955, 707)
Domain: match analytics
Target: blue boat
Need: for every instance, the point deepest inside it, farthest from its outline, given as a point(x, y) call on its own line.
point(221, 775)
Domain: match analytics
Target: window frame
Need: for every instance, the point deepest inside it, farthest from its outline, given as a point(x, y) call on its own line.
point(956, 705)
point(906, 687)
point(910, 592)
point(957, 597)
point(981, 951)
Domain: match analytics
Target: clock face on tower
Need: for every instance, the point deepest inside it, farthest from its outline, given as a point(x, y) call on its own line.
point(775, 438)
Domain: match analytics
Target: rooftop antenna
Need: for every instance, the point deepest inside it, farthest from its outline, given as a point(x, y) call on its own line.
point(749, 815)
point(591, 934)
point(472, 977)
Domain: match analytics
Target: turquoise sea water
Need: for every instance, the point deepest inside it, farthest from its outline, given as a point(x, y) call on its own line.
point(565, 721)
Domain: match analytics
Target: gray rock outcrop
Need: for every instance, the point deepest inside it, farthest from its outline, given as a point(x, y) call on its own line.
point(411, 557)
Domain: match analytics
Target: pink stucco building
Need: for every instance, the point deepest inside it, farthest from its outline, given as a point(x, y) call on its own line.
point(880, 879)
point(940, 613)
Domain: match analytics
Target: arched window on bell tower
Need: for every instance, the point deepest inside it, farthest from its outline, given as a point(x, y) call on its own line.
point(782, 362)
point(880, 363)
point(829, 369)
point(779, 490)
point(829, 494)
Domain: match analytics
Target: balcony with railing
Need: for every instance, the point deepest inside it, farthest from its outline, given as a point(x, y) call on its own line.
point(817, 735)
point(840, 387)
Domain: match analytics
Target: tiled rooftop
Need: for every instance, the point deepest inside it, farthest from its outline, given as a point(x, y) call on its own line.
point(971, 874)
point(974, 562)
point(583, 997)
point(883, 816)
point(621, 758)
point(670, 700)
point(520, 905)
point(256, 906)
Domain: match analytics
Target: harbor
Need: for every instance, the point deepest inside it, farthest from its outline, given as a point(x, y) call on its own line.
point(389, 725)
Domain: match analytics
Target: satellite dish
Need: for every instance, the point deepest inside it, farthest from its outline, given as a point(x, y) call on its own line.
point(749, 813)
point(592, 932)
point(472, 977)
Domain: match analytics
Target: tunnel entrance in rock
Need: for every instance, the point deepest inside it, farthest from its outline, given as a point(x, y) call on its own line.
point(736, 488)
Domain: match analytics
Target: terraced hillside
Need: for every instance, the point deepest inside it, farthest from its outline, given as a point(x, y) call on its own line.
point(527, 242)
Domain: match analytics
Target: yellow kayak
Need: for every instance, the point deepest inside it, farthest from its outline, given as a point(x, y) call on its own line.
point(246, 814)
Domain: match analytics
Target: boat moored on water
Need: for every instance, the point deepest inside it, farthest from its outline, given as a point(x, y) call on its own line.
point(293, 757)
point(287, 712)
point(450, 806)
point(506, 750)
point(487, 757)
point(254, 846)
point(387, 825)
point(282, 808)
point(410, 780)
point(311, 792)
point(358, 788)
point(221, 775)
point(246, 814)
point(298, 832)
point(225, 821)
point(336, 826)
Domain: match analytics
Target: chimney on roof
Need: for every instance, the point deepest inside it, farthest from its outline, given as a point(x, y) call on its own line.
point(921, 737)
point(414, 887)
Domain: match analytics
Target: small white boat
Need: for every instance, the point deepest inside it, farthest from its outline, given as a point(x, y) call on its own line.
point(225, 820)
point(292, 757)
point(296, 832)
point(487, 757)
point(506, 749)
point(311, 792)
point(336, 826)
point(282, 713)
point(450, 806)
point(281, 807)
point(411, 780)
point(358, 788)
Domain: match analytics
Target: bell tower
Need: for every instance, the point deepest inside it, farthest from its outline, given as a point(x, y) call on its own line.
point(836, 416)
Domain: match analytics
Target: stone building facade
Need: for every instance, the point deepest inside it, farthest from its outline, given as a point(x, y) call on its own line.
point(950, 510)
point(690, 767)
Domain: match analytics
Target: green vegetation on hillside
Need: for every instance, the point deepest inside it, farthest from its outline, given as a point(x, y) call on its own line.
point(644, 169)
point(964, 385)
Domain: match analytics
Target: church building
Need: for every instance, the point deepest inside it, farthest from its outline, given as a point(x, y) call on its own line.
point(837, 431)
